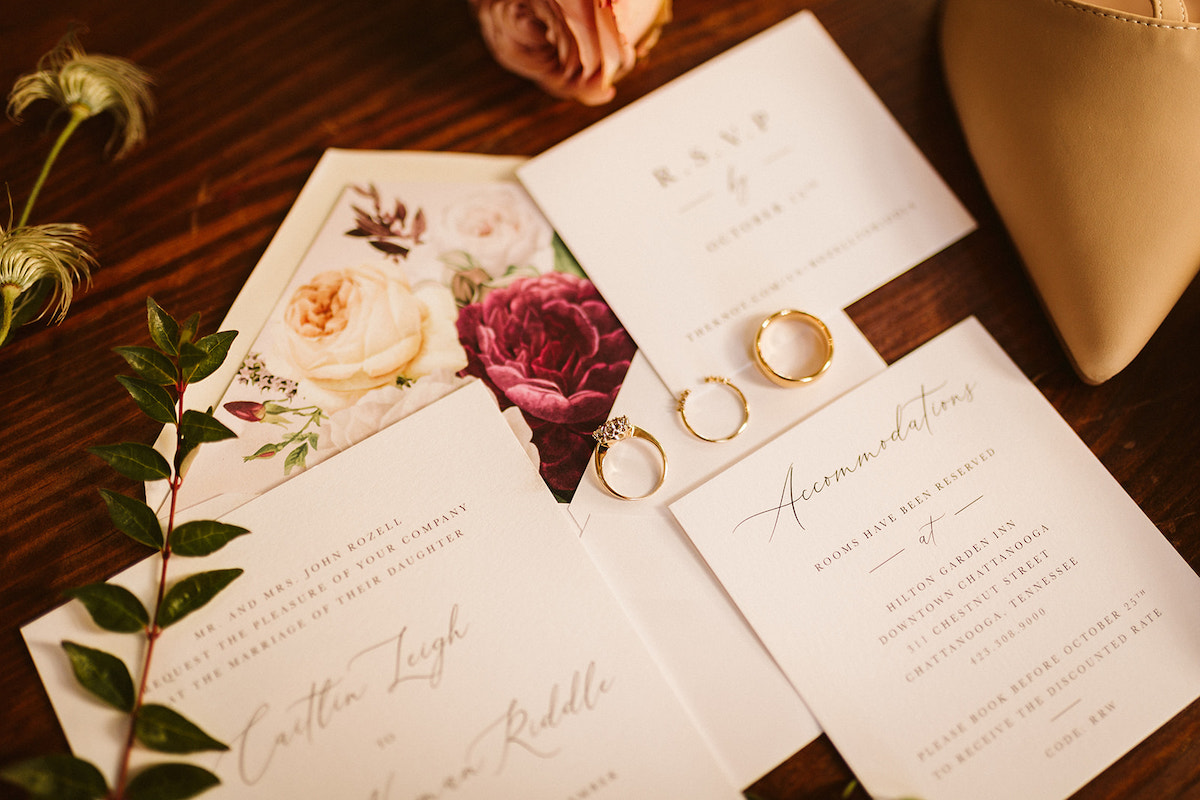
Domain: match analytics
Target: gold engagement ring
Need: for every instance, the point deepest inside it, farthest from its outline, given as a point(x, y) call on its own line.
point(615, 430)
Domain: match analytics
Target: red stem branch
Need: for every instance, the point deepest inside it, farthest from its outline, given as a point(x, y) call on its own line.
point(153, 631)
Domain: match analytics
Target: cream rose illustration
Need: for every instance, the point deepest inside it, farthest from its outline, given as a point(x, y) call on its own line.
point(350, 330)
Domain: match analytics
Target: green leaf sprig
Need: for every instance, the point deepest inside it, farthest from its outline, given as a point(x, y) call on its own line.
point(177, 359)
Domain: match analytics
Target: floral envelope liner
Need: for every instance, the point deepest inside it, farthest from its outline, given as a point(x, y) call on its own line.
point(407, 292)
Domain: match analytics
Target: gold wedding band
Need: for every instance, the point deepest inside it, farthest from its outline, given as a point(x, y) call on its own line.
point(683, 396)
point(617, 430)
point(775, 375)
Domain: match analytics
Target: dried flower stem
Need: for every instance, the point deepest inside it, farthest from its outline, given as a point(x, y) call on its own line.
point(11, 293)
point(78, 115)
point(83, 86)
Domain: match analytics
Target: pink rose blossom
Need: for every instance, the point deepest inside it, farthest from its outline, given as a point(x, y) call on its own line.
point(571, 48)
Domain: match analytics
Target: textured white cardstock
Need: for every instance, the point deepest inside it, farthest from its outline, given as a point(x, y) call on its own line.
point(723, 673)
point(965, 598)
point(416, 619)
point(768, 177)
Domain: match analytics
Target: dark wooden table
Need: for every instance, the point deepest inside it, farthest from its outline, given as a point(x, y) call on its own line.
point(249, 95)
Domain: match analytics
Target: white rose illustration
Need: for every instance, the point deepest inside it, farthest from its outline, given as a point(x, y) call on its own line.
point(498, 227)
point(379, 408)
point(351, 330)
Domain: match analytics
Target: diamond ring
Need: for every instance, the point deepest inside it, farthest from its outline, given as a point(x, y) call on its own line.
point(619, 429)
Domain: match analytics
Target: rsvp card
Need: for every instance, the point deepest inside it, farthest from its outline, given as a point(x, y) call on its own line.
point(968, 602)
point(416, 619)
point(769, 177)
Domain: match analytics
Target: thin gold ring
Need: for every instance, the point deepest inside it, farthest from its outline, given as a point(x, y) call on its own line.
point(793, 380)
point(683, 396)
point(617, 430)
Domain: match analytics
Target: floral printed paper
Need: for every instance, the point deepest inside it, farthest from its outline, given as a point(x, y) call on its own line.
point(409, 291)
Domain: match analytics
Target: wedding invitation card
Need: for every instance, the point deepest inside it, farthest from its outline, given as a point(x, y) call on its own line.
point(769, 177)
point(416, 619)
point(967, 601)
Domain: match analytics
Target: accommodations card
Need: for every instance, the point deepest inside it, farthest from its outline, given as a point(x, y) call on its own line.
point(416, 619)
point(967, 601)
point(769, 177)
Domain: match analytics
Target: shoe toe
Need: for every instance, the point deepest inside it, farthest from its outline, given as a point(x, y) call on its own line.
point(1085, 127)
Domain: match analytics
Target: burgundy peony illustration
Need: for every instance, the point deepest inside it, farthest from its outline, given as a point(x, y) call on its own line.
point(552, 347)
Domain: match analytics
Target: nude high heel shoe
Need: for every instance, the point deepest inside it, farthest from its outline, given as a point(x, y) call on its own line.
point(1084, 123)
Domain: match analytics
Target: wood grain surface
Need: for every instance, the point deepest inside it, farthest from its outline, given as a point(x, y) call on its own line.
point(250, 94)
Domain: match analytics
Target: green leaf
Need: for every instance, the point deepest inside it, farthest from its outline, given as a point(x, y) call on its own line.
point(164, 330)
point(295, 458)
point(196, 428)
point(165, 730)
point(141, 462)
point(114, 608)
point(190, 359)
point(170, 782)
point(133, 518)
point(215, 347)
point(199, 427)
point(59, 776)
point(154, 401)
point(188, 332)
point(266, 451)
point(564, 260)
point(102, 674)
point(33, 300)
point(148, 363)
point(192, 593)
point(203, 536)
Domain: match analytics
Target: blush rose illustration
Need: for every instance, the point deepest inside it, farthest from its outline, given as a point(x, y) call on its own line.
point(497, 226)
point(552, 347)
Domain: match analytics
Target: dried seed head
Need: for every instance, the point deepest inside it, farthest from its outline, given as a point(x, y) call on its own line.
point(59, 253)
point(89, 85)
